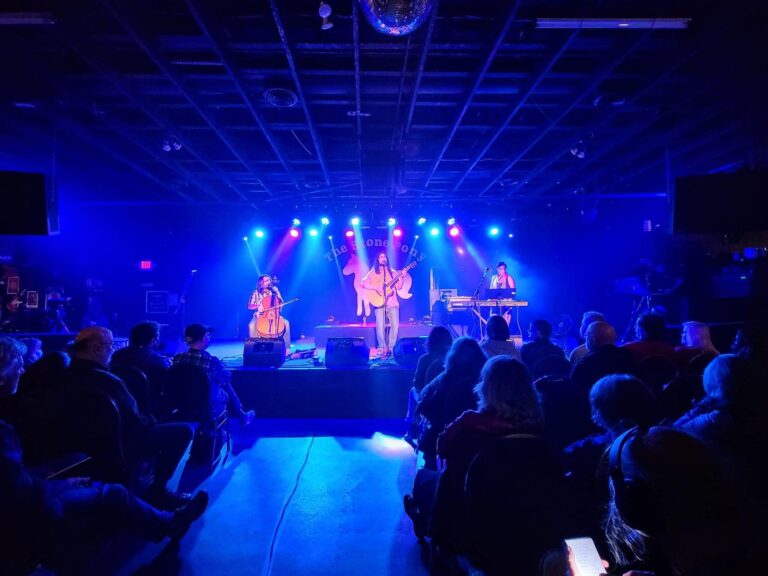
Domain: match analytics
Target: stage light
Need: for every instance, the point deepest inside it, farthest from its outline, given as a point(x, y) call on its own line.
point(313, 231)
point(330, 237)
point(421, 221)
point(145, 265)
point(296, 222)
point(434, 231)
point(451, 221)
point(325, 221)
point(454, 231)
point(391, 221)
point(245, 238)
point(397, 232)
point(294, 233)
point(349, 233)
point(259, 233)
point(416, 237)
point(355, 221)
point(511, 235)
point(460, 250)
point(493, 231)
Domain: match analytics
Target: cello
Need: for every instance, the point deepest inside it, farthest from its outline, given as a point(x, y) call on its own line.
point(269, 323)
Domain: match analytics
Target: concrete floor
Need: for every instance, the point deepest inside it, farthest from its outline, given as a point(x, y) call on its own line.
point(301, 497)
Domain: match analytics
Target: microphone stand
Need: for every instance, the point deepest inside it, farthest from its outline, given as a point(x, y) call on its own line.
point(475, 297)
point(181, 307)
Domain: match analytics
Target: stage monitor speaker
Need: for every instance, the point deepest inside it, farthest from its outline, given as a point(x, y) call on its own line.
point(264, 352)
point(346, 353)
point(408, 350)
point(30, 206)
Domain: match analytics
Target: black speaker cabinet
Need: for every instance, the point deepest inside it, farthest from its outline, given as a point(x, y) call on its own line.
point(408, 350)
point(346, 353)
point(264, 352)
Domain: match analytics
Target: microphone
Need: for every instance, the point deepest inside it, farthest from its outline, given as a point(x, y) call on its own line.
point(487, 268)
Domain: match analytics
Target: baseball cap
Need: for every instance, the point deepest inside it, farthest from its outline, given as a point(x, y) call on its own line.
point(195, 332)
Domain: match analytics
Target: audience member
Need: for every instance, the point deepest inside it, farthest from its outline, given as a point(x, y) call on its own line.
point(451, 393)
point(696, 342)
point(198, 338)
point(496, 341)
point(46, 520)
point(438, 343)
point(604, 358)
point(141, 354)
point(165, 443)
point(34, 350)
point(651, 332)
point(580, 351)
point(540, 346)
point(674, 509)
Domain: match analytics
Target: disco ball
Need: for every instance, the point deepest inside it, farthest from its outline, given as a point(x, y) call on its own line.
point(396, 17)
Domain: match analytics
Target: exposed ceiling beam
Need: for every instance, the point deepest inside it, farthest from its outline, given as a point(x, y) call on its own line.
point(215, 38)
point(530, 89)
point(597, 77)
point(473, 89)
point(155, 54)
point(358, 118)
point(299, 90)
point(422, 64)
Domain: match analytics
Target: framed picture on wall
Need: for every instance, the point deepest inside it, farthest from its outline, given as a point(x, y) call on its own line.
point(32, 301)
point(13, 285)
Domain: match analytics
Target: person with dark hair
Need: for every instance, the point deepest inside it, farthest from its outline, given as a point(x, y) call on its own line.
point(501, 279)
point(451, 393)
point(651, 331)
point(540, 346)
point(166, 443)
point(43, 376)
point(438, 343)
point(266, 287)
point(604, 358)
point(377, 281)
point(580, 351)
point(34, 350)
point(674, 508)
point(496, 341)
point(751, 343)
point(47, 519)
point(198, 338)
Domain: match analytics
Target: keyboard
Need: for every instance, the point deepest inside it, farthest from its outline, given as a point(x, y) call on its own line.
point(465, 302)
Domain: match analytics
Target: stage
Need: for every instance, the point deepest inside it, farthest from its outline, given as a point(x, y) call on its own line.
point(305, 388)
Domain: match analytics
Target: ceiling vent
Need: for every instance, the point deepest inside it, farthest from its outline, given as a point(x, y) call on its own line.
point(281, 97)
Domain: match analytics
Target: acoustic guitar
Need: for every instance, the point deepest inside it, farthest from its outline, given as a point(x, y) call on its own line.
point(18, 300)
point(376, 295)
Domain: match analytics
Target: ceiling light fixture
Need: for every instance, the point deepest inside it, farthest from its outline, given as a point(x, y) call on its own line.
point(613, 23)
point(325, 12)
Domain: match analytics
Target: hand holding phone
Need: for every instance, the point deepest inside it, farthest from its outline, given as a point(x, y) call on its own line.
point(584, 558)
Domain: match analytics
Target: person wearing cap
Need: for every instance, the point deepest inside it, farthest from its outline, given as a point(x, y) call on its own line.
point(501, 279)
point(165, 443)
point(198, 338)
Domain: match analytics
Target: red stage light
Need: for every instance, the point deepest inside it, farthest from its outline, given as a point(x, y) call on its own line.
point(145, 264)
point(397, 232)
point(349, 233)
point(454, 231)
point(294, 233)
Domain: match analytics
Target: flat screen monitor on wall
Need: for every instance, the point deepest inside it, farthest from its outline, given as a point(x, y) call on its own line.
point(27, 205)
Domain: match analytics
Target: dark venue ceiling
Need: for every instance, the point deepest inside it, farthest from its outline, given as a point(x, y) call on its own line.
point(480, 104)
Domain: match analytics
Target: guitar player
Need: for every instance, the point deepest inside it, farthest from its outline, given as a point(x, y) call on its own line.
point(383, 296)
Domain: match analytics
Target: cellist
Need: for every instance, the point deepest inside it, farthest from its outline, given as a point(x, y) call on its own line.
point(267, 293)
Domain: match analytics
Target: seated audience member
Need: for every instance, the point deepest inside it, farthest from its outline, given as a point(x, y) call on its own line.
point(141, 354)
point(438, 343)
point(165, 443)
point(580, 351)
point(507, 408)
point(540, 346)
point(34, 351)
point(42, 377)
point(45, 520)
point(198, 338)
point(674, 508)
point(496, 341)
point(751, 343)
point(651, 331)
point(696, 342)
point(451, 393)
point(604, 358)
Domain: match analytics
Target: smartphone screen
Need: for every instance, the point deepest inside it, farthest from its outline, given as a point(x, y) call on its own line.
point(585, 556)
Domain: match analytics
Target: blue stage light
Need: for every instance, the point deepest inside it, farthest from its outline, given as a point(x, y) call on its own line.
point(259, 233)
point(312, 232)
point(451, 221)
point(325, 221)
point(296, 222)
point(493, 231)
point(391, 221)
point(355, 221)
point(421, 221)
point(434, 231)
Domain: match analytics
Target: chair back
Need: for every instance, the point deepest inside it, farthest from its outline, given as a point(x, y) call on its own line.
point(656, 372)
point(137, 384)
point(513, 501)
point(188, 394)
